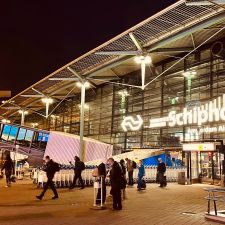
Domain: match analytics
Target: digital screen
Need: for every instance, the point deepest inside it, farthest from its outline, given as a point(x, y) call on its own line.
point(21, 134)
point(29, 135)
point(5, 132)
point(13, 133)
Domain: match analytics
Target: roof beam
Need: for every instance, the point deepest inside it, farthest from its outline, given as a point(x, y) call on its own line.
point(201, 25)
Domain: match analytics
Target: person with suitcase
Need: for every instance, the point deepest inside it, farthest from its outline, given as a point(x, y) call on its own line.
point(161, 169)
point(141, 174)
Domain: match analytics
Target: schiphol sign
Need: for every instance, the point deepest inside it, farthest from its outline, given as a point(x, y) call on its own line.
point(210, 112)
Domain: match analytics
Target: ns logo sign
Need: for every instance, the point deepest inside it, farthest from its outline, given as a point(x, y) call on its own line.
point(129, 123)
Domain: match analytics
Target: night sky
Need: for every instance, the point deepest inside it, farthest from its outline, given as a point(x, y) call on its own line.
point(38, 37)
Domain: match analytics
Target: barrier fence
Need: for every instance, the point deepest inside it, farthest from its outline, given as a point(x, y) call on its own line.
point(64, 177)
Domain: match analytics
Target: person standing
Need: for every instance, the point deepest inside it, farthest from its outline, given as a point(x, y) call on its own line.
point(124, 179)
point(101, 173)
point(78, 168)
point(130, 171)
point(161, 169)
point(51, 168)
point(9, 170)
point(141, 174)
point(115, 180)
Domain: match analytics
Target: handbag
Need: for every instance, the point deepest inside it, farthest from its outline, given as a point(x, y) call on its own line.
point(95, 172)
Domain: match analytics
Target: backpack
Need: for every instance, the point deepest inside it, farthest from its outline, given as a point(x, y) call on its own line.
point(82, 165)
point(134, 165)
point(56, 167)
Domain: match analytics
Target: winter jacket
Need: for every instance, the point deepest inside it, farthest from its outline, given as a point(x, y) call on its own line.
point(141, 171)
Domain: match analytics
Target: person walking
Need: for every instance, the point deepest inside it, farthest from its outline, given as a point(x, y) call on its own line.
point(124, 179)
point(9, 170)
point(130, 171)
point(101, 173)
point(51, 168)
point(141, 174)
point(115, 180)
point(161, 169)
point(78, 168)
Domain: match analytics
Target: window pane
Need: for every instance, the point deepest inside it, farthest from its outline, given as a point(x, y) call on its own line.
point(13, 132)
point(21, 134)
point(5, 132)
point(29, 135)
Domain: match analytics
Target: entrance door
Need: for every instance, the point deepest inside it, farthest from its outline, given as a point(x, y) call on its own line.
point(210, 166)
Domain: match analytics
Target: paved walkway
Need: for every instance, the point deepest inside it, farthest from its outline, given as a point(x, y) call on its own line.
point(154, 206)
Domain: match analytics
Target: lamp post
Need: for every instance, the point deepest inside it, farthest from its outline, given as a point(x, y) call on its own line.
point(23, 112)
point(82, 85)
point(47, 102)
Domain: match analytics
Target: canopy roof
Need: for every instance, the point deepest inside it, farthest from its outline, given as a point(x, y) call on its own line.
point(178, 28)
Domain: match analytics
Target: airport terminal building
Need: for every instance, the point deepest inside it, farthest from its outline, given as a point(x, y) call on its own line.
point(158, 85)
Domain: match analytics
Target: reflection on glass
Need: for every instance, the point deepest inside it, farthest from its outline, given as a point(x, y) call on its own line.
point(21, 134)
point(39, 136)
point(5, 132)
point(29, 135)
point(12, 134)
point(45, 137)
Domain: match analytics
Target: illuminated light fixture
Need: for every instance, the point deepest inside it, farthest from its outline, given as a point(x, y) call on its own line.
point(123, 93)
point(189, 73)
point(86, 84)
point(143, 59)
point(86, 106)
point(47, 100)
point(54, 116)
point(34, 124)
point(23, 111)
point(129, 123)
point(3, 102)
point(6, 121)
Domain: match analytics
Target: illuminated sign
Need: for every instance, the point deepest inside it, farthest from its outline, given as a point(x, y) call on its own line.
point(207, 146)
point(129, 123)
point(198, 115)
point(210, 112)
point(207, 129)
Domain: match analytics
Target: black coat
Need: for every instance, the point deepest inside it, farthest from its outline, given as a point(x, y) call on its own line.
point(8, 167)
point(50, 169)
point(116, 176)
point(102, 170)
point(161, 167)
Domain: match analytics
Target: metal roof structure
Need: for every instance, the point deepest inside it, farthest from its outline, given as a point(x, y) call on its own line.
point(178, 28)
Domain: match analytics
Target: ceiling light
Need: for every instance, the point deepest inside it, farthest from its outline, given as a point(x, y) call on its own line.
point(23, 111)
point(5, 121)
point(146, 59)
point(123, 93)
point(47, 100)
point(189, 73)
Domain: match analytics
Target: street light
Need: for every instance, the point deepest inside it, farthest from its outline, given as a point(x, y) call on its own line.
point(47, 101)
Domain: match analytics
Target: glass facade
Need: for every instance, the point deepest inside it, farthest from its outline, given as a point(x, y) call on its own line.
point(107, 105)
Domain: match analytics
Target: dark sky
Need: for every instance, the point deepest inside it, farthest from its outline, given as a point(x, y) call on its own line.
point(38, 37)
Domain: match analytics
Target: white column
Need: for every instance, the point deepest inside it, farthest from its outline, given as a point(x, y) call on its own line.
point(81, 153)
